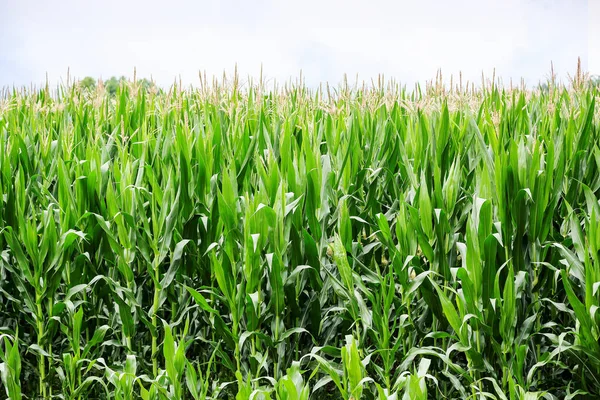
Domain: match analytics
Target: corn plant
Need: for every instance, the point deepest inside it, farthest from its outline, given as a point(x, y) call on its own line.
point(10, 368)
point(240, 240)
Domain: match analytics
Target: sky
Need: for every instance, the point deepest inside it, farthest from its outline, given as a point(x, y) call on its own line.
point(407, 40)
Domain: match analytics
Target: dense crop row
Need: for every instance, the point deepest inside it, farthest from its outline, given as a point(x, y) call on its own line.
point(351, 243)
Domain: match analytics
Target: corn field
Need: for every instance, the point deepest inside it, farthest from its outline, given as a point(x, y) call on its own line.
point(238, 242)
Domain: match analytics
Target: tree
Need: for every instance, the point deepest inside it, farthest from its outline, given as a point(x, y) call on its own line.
point(113, 83)
point(145, 84)
point(87, 83)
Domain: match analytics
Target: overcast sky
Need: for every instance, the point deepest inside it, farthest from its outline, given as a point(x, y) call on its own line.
point(404, 39)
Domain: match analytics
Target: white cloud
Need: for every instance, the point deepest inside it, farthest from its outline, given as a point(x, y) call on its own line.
point(407, 40)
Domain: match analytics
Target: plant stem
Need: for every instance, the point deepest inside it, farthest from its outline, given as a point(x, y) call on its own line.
point(41, 362)
point(155, 335)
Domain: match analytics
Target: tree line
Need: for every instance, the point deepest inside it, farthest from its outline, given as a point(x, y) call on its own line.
point(112, 84)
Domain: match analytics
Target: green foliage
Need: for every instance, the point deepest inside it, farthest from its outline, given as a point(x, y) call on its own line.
point(112, 84)
point(87, 83)
point(231, 242)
